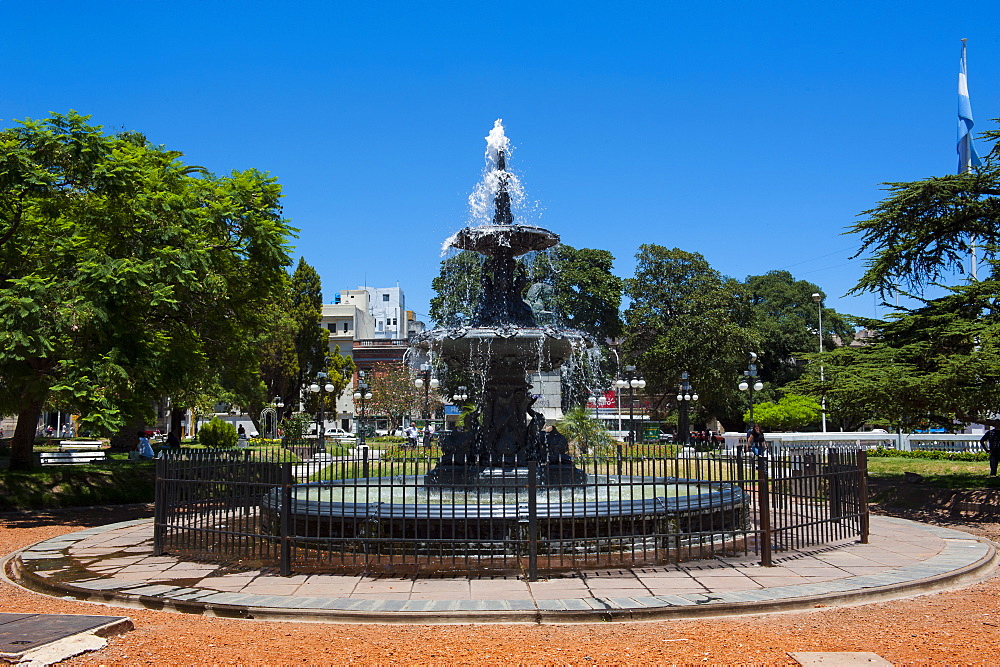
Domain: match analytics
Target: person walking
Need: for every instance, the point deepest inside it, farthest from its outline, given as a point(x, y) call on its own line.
point(756, 442)
point(990, 442)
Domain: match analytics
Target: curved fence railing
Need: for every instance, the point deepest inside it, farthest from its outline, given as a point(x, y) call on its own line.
point(374, 510)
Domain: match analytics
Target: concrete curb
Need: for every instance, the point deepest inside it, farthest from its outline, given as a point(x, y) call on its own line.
point(854, 590)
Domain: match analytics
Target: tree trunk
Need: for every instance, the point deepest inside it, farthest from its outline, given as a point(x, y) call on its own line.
point(176, 416)
point(22, 445)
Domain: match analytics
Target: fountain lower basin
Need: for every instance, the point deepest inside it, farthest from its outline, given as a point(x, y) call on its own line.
point(403, 517)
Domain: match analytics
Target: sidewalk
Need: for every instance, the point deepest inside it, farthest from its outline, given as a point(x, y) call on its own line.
point(115, 564)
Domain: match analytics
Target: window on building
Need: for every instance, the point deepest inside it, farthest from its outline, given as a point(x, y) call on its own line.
point(345, 327)
point(385, 297)
point(394, 321)
point(331, 327)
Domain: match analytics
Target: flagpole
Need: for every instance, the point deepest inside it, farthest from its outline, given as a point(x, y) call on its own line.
point(967, 157)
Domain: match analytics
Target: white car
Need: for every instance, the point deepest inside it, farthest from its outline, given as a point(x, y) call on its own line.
point(338, 434)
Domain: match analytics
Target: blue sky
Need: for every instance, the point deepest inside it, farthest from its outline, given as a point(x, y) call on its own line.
point(753, 133)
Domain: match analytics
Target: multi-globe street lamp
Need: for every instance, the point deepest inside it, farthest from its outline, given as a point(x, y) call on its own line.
point(322, 386)
point(592, 402)
point(460, 396)
point(426, 382)
point(818, 298)
point(362, 395)
point(750, 382)
point(685, 395)
point(630, 382)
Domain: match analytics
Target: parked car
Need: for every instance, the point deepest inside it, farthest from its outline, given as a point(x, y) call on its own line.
point(338, 434)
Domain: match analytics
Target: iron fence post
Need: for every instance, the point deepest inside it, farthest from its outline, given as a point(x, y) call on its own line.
point(285, 552)
point(863, 494)
point(764, 499)
point(159, 509)
point(833, 468)
point(532, 520)
point(364, 462)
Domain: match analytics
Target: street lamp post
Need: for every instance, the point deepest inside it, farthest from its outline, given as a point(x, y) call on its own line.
point(426, 382)
point(685, 395)
point(818, 298)
point(592, 402)
point(322, 387)
point(631, 382)
point(363, 395)
point(750, 382)
point(460, 396)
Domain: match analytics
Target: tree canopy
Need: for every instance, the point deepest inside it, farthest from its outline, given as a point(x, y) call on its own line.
point(924, 229)
point(686, 316)
point(126, 275)
point(784, 323)
point(937, 364)
point(393, 392)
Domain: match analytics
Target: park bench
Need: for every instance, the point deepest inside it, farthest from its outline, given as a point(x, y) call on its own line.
point(78, 445)
point(69, 458)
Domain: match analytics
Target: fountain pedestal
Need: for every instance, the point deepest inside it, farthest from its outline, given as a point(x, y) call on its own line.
point(504, 344)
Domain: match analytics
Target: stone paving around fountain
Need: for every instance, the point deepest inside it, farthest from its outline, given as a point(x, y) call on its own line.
point(115, 564)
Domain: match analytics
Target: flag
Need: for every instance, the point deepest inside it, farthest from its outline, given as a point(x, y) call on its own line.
point(967, 157)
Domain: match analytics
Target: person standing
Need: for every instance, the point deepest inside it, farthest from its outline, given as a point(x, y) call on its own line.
point(990, 442)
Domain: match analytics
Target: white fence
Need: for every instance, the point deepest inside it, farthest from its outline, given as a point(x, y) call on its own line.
point(945, 442)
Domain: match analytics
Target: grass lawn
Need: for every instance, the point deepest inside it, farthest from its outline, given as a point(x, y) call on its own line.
point(110, 483)
point(939, 473)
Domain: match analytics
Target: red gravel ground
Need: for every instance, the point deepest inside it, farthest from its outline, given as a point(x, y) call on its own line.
point(955, 628)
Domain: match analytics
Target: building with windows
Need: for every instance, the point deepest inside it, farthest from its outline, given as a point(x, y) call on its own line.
point(370, 325)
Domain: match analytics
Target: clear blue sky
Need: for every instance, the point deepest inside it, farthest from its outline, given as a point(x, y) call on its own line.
point(752, 133)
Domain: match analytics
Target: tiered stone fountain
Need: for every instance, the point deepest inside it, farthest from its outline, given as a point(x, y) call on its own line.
point(504, 433)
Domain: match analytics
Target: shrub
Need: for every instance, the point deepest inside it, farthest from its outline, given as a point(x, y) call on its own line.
point(883, 452)
point(217, 434)
point(296, 426)
point(589, 435)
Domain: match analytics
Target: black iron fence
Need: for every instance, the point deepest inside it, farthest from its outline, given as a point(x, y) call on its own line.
point(373, 510)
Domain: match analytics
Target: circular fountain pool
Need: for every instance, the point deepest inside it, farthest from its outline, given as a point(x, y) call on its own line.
point(608, 514)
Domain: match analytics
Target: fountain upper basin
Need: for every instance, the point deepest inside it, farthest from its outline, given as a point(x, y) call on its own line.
point(545, 348)
point(512, 240)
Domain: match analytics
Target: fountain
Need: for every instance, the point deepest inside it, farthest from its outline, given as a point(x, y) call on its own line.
point(504, 475)
point(504, 342)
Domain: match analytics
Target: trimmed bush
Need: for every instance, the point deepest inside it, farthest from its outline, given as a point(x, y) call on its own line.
point(218, 434)
point(928, 454)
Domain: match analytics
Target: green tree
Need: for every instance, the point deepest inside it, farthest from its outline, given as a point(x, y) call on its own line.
point(791, 413)
point(784, 323)
point(311, 340)
point(938, 364)
point(148, 281)
point(587, 295)
point(686, 316)
point(924, 229)
point(587, 433)
point(393, 393)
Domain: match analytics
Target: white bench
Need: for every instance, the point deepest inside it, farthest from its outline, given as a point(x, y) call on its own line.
point(71, 445)
point(69, 458)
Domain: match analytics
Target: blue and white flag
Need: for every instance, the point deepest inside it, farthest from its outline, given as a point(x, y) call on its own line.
point(967, 157)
